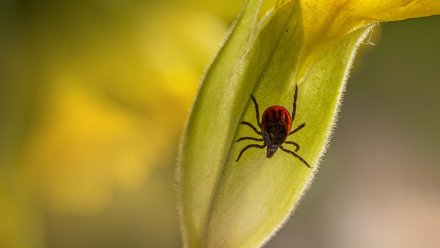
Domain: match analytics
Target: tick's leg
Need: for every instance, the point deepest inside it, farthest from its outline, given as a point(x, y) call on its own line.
point(295, 97)
point(248, 138)
point(296, 155)
point(297, 129)
point(293, 143)
point(247, 147)
point(251, 126)
point(256, 110)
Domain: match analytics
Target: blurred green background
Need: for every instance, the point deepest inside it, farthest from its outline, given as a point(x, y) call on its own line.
point(94, 95)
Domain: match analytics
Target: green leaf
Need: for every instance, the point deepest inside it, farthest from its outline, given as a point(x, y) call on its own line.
point(224, 203)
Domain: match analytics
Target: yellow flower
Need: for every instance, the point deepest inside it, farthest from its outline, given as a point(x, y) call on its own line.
point(330, 18)
point(390, 10)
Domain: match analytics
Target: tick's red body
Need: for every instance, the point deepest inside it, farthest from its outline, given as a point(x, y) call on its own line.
point(275, 126)
point(276, 115)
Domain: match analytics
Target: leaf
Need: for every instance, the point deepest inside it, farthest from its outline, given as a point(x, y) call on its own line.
point(225, 203)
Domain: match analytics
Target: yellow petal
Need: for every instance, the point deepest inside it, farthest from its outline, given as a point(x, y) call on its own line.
point(328, 19)
point(390, 10)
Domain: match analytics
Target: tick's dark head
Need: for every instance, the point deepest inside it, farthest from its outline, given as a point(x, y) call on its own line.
point(271, 151)
point(274, 135)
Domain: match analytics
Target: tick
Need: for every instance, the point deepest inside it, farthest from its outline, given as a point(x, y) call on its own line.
point(274, 128)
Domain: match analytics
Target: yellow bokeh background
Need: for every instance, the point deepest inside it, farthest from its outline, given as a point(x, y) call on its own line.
point(94, 98)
